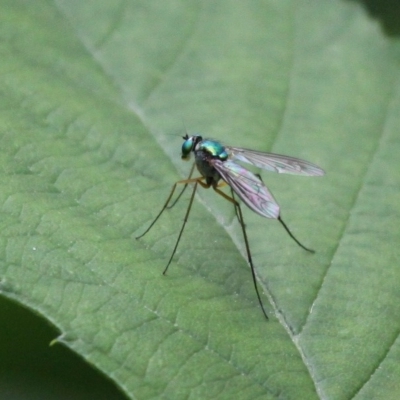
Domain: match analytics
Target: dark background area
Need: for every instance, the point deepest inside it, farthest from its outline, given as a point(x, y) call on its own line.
point(387, 12)
point(32, 369)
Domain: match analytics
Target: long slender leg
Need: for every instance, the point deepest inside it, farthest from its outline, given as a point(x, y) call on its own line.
point(204, 185)
point(236, 212)
point(184, 188)
point(196, 181)
point(185, 182)
point(287, 228)
point(246, 242)
point(293, 237)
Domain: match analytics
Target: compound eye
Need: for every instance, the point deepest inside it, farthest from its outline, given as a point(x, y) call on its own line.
point(187, 147)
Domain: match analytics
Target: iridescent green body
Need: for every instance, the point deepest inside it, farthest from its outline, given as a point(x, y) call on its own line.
point(213, 148)
point(205, 151)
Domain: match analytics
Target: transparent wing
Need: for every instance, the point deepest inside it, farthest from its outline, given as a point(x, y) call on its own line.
point(275, 162)
point(248, 187)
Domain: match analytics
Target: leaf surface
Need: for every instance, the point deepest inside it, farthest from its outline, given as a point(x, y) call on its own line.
point(93, 99)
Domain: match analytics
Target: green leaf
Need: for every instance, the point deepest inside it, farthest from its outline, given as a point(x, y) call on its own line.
point(93, 97)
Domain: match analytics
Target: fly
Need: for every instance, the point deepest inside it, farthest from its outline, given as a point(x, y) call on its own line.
point(218, 167)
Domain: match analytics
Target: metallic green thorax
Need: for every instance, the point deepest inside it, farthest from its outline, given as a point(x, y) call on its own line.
point(213, 148)
point(206, 152)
